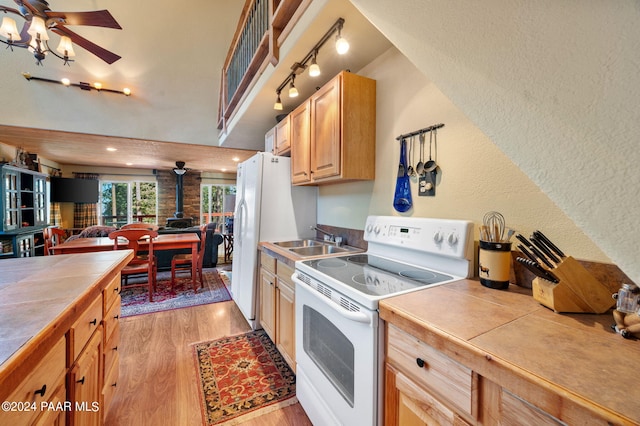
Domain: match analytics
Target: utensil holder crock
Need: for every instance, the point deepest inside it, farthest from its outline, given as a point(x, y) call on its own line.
point(494, 264)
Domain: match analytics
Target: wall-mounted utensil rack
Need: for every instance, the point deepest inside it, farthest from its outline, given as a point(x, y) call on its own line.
point(421, 131)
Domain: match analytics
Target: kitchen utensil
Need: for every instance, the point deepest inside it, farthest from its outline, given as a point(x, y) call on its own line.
point(420, 166)
point(549, 244)
point(526, 252)
point(401, 168)
point(538, 270)
point(411, 172)
point(544, 249)
point(534, 254)
point(431, 165)
point(494, 221)
point(402, 197)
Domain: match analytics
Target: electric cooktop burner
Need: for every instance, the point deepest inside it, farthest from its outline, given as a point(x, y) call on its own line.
point(376, 276)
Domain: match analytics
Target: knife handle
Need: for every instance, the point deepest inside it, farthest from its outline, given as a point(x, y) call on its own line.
point(541, 257)
point(544, 249)
point(548, 242)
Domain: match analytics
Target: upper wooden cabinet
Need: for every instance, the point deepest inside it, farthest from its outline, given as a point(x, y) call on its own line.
point(333, 134)
point(277, 140)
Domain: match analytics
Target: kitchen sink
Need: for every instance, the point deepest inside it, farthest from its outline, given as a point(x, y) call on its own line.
point(318, 250)
point(298, 243)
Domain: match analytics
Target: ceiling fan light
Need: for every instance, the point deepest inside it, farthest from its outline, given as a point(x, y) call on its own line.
point(38, 28)
point(66, 47)
point(33, 46)
point(9, 30)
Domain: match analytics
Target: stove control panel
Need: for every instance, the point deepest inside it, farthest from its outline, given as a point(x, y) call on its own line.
point(453, 238)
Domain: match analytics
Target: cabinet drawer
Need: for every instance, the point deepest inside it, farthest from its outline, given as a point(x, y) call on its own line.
point(111, 292)
point(112, 318)
point(267, 262)
point(83, 328)
point(284, 273)
point(40, 385)
point(438, 373)
point(111, 350)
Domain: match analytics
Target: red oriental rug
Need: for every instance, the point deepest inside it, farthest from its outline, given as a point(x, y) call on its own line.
point(135, 301)
point(242, 377)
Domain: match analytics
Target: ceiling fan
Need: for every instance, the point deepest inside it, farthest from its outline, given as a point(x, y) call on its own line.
point(39, 17)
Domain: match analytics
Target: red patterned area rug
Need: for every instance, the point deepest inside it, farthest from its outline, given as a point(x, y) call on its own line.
point(242, 377)
point(135, 301)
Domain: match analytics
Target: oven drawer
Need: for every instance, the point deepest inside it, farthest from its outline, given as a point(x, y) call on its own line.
point(432, 369)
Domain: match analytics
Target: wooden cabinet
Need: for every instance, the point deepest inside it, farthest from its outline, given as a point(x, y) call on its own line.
point(85, 384)
point(41, 387)
point(277, 305)
point(283, 138)
point(111, 341)
point(23, 208)
point(423, 386)
point(277, 140)
point(333, 134)
point(300, 144)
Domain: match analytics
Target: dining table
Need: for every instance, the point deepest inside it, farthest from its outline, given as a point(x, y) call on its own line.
point(161, 242)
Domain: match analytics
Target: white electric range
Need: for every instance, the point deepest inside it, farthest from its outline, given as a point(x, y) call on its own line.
point(339, 356)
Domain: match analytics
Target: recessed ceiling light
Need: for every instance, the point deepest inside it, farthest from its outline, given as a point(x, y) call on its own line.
point(236, 159)
point(223, 170)
point(111, 149)
point(129, 164)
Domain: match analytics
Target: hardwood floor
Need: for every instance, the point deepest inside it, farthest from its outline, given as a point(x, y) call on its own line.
point(158, 383)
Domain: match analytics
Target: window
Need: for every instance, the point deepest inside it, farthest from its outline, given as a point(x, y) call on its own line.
point(126, 202)
point(217, 205)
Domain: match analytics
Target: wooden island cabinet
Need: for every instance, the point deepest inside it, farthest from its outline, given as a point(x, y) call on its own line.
point(493, 357)
point(60, 325)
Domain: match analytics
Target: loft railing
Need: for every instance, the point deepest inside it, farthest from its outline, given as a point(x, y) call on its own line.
point(263, 26)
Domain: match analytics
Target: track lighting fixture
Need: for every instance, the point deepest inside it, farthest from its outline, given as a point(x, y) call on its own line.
point(293, 92)
point(342, 46)
point(82, 85)
point(278, 105)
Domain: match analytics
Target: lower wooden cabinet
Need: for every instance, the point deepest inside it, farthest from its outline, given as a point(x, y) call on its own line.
point(29, 402)
point(277, 305)
point(85, 384)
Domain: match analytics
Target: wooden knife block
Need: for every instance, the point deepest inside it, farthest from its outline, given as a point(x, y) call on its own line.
point(577, 292)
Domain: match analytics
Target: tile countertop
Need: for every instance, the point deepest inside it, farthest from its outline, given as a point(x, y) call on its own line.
point(496, 332)
point(37, 295)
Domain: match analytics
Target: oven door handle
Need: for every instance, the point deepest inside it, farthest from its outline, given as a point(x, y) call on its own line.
point(353, 316)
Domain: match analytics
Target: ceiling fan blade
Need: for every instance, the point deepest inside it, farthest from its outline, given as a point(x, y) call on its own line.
point(100, 52)
point(98, 18)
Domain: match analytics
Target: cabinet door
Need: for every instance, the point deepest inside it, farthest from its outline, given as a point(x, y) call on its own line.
point(268, 302)
point(39, 201)
point(325, 130)
point(283, 140)
point(408, 404)
point(85, 384)
point(300, 144)
point(270, 141)
point(11, 202)
point(286, 322)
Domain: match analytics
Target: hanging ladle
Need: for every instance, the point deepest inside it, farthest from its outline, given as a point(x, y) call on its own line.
point(431, 165)
point(420, 166)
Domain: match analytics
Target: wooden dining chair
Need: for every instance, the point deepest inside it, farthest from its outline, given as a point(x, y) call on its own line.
point(138, 265)
point(140, 225)
point(52, 237)
point(187, 259)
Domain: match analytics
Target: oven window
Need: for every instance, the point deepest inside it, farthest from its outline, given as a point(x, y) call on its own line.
point(330, 350)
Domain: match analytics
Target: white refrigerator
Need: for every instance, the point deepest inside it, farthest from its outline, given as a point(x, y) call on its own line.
point(268, 208)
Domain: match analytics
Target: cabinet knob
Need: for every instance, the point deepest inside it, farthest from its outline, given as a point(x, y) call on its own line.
point(41, 391)
point(116, 317)
point(115, 348)
point(114, 384)
point(81, 381)
point(420, 362)
point(94, 322)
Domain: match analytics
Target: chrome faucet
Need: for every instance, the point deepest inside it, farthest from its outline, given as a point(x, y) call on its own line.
point(332, 237)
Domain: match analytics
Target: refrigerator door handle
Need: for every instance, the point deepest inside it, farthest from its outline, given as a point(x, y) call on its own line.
point(241, 219)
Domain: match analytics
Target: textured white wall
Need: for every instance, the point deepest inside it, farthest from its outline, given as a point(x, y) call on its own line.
point(475, 175)
point(554, 85)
